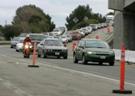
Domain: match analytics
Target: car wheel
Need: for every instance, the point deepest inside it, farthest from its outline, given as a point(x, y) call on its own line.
point(111, 63)
point(11, 46)
point(39, 55)
point(65, 57)
point(75, 59)
point(17, 50)
point(44, 55)
point(84, 60)
point(24, 56)
point(58, 57)
point(100, 63)
point(28, 56)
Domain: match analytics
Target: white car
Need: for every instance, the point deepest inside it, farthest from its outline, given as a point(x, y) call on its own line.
point(14, 41)
point(82, 32)
point(64, 39)
point(69, 37)
point(19, 45)
point(89, 29)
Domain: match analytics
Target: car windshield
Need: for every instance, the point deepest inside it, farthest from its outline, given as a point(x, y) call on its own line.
point(53, 43)
point(37, 37)
point(95, 44)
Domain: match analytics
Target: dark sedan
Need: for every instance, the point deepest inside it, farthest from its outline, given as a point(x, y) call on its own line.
point(95, 51)
point(52, 47)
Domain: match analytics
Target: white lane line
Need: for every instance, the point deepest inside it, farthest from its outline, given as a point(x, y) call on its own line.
point(84, 73)
point(80, 72)
point(4, 46)
point(17, 90)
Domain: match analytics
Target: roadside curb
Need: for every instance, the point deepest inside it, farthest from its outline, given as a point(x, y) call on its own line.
point(4, 42)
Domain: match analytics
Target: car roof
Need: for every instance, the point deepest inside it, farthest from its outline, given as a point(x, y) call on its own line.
point(86, 39)
point(35, 34)
point(52, 39)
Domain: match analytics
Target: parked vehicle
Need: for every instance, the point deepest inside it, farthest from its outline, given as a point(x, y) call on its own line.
point(95, 51)
point(52, 47)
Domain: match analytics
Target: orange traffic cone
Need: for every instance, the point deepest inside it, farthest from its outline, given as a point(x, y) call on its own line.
point(34, 57)
point(122, 74)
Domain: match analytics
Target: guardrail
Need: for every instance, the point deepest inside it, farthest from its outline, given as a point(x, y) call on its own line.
point(4, 42)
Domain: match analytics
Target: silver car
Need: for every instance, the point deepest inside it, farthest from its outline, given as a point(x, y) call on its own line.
point(19, 45)
point(14, 42)
point(52, 47)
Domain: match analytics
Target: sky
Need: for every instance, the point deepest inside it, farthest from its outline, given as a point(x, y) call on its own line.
point(57, 9)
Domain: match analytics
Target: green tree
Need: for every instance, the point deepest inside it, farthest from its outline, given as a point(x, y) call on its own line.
point(30, 18)
point(8, 32)
point(1, 28)
point(82, 16)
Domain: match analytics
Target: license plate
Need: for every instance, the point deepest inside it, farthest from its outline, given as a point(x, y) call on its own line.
point(102, 57)
point(57, 53)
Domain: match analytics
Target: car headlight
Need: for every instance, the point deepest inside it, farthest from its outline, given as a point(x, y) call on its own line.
point(90, 52)
point(26, 46)
point(30, 46)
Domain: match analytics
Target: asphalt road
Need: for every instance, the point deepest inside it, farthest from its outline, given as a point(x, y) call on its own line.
point(58, 77)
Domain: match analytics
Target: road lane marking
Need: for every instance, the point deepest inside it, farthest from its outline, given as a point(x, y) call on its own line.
point(16, 89)
point(85, 73)
point(80, 72)
point(4, 46)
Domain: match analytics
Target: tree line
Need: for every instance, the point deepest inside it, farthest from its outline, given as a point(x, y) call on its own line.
point(30, 18)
